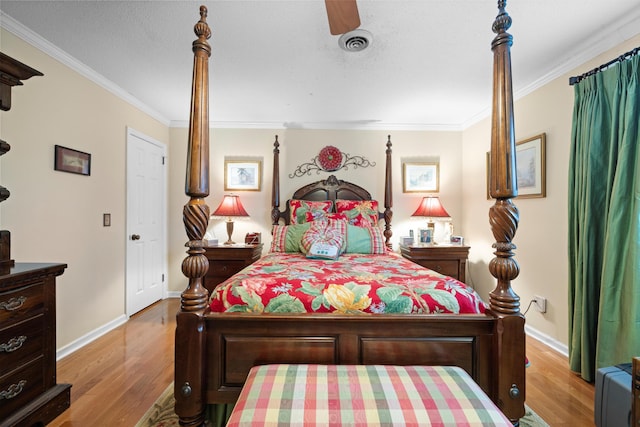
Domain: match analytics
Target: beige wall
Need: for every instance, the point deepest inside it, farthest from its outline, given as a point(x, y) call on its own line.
point(541, 238)
point(55, 216)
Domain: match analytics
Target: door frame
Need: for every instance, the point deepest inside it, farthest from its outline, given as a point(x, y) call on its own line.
point(164, 233)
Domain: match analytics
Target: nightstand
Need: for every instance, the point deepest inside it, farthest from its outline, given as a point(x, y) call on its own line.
point(227, 260)
point(445, 259)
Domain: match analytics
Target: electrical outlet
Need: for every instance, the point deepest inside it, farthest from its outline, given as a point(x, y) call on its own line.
point(540, 303)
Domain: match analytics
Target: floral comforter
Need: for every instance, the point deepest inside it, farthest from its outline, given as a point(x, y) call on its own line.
point(355, 283)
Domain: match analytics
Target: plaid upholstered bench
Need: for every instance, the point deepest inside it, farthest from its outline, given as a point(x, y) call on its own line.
point(358, 395)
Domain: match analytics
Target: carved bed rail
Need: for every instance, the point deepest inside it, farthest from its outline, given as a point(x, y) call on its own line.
point(503, 217)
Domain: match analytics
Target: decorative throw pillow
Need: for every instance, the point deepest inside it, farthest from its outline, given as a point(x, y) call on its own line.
point(365, 240)
point(358, 212)
point(324, 215)
point(286, 238)
point(324, 235)
point(300, 208)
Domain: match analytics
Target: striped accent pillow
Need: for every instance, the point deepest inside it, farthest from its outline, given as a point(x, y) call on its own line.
point(286, 238)
point(332, 232)
point(377, 240)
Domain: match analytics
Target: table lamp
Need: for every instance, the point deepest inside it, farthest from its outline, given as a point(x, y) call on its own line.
point(230, 207)
point(431, 208)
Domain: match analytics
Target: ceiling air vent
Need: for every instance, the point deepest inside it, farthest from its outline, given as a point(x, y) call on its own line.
point(355, 41)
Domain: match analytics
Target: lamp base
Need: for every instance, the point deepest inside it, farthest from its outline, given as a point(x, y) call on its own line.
point(229, 232)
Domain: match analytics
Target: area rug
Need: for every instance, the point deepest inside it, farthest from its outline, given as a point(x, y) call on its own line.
point(161, 414)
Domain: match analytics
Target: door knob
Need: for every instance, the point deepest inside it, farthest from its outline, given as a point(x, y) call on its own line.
point(135, 237)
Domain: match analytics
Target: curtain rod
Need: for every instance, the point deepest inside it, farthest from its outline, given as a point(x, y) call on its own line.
point(577, 79)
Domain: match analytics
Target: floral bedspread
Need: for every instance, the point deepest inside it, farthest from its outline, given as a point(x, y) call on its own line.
point(355, 283)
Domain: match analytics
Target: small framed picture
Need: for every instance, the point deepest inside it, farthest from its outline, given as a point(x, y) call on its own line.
point(425, 235)
point(420, 177)
point(72, 161)
point(242, 175)
point(457, 240)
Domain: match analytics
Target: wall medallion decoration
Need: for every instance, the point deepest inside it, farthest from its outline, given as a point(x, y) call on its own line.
point(331, 159)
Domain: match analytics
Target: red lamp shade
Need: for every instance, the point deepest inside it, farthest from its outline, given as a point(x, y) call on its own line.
point(432, 208)
point(230, 207)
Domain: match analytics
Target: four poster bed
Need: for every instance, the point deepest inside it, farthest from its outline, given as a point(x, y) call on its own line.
point(219, 339)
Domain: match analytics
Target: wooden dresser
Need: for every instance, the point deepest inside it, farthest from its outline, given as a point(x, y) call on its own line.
point(448, 260)
point(227, 260)
point(29, 394)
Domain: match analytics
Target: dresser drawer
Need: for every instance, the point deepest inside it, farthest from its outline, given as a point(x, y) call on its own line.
point(446, 267)
point(21, 303)
point(21, 386)
point(20, 343)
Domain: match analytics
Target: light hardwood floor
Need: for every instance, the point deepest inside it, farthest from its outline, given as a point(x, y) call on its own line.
point(117, 377)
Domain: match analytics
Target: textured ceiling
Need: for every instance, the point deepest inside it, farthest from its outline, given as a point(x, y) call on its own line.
point(275, 64)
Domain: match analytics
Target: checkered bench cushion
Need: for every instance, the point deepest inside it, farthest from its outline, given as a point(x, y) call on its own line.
point(359, 395)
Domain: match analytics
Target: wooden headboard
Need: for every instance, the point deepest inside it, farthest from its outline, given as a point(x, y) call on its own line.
point(331, 188)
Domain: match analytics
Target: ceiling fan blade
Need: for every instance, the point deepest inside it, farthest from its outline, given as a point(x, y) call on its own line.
point(343, 16)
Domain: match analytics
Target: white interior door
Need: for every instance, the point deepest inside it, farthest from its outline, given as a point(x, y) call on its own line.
point(146, 206)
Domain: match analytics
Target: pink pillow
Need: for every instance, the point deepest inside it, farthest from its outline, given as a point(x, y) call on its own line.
point(361, 213)
point(300, 208)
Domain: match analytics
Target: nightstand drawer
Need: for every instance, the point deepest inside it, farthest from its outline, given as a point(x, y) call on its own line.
point(446, 267)
point(227, 260)
point(226, 268)
point(20, 343)
point(21, 386)
point(448, 260)
point(21, 303)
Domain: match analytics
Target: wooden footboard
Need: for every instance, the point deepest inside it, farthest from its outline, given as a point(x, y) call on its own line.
point(235, 343)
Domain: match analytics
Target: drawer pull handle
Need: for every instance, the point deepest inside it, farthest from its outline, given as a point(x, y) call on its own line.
point(13, 304)
point(13, 390)
point(13, 344)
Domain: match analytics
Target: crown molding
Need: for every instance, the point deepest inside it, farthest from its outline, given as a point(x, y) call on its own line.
point(584, 52)
point(37, 41)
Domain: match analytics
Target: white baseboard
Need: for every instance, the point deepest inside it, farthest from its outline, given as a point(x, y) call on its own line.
point(174, 294)
point(91, 336)
point(547, 340)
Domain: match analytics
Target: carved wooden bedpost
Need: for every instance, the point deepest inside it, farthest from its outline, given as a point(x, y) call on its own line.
point(190, 334)
point(275, 188)
point(388, 196)
point(504, 218)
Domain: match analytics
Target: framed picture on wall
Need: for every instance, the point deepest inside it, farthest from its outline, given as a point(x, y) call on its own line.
point(530, 167)
point(242, 175)
point(72, 161)
point(420, 177)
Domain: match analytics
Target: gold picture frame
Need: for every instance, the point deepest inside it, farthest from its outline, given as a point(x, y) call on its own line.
point(242, 175)
point(420, 177)
point(531, 168)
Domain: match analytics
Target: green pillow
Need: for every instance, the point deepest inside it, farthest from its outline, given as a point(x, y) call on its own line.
point(365, 240)
point(286, 238)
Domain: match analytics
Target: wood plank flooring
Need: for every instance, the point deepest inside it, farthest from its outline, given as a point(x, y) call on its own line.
point(117, 377)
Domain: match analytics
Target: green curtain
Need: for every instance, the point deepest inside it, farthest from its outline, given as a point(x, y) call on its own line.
point(604, 232)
